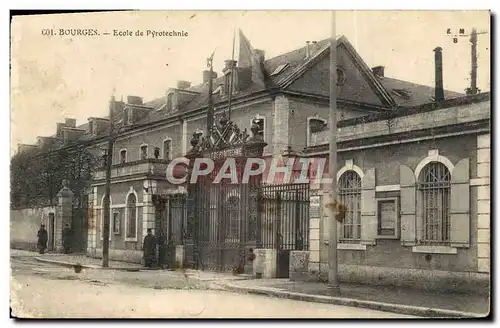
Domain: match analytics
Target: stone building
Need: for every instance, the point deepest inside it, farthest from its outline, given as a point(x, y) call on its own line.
point(413, 160)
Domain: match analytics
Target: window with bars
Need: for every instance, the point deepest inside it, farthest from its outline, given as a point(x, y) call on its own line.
point(434, 186)
point(131, 216)
point(349, 190)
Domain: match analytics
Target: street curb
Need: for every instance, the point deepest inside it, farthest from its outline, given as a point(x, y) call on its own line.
point(85, 266)
point(388, 307)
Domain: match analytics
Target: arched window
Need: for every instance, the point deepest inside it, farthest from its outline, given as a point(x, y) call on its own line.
point(131, 216)
point(434, 186)
point(144, 151)
point(349, 189)
point(123, 156)
point(167, 149)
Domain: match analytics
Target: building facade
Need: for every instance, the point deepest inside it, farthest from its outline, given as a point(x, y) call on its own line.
point(413, 161)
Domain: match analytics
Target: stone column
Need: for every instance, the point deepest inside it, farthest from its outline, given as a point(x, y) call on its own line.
point(64, 213)
point(483, 203)
point(148, 209)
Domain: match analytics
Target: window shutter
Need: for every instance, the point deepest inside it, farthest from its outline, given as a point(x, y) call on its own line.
point(368, 210)
point(460, 205)
point(408, 191)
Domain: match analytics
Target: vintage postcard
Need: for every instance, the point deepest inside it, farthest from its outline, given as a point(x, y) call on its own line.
point(250, 164)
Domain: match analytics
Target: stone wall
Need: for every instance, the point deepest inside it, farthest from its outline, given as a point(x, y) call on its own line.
point(24, 225)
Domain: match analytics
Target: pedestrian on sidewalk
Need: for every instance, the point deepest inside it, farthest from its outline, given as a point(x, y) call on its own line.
point(149, 249)
point(42, 239)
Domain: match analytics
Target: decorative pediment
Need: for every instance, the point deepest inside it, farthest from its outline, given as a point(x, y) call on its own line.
point(224, 134)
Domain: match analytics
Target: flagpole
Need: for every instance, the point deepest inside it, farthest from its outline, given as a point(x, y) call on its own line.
point(333, 284)
point(210, 111)
point(230, 98)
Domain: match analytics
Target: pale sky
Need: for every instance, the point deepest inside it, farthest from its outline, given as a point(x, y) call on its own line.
point(56, 77)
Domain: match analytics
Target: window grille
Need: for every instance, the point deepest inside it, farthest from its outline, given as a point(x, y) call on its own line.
point(349, 189)
point(435, 196)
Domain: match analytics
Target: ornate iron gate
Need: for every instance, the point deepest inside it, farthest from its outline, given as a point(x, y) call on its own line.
point(222, 214)
point(284, 221)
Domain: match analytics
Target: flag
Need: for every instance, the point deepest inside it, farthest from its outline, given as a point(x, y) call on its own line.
point(249, 58)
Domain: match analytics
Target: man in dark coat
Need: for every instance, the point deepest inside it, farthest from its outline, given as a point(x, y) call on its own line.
point(42, 239)
point(149, 248)
point(67, 239)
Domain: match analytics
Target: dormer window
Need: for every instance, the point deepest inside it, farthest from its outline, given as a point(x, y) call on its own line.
point(261, 122)
point(91, 126)
point(170, 102)
point(280, 69)
point(144, 151)
point(123, 156)
point(126, 116)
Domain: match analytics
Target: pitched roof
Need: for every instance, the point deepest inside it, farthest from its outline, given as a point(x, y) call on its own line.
point(295, 61)
point(417, 94)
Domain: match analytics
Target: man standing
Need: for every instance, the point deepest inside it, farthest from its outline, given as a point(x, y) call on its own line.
point(42, 239)
point(67, 239)
point(149, 249)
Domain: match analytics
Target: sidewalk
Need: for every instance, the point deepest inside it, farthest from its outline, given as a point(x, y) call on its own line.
point(400, 300)
point(72, 259)
point(383, 298)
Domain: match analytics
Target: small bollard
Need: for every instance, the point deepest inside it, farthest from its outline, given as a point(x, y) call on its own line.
point(78, 268)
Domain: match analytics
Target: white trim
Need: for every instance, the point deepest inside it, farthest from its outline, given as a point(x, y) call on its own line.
point(349, 166)
point(385, 188)
point(131, 191)
point(163, 148)
point(119, 206)
point(434, 249)
point(120, 157)
point(308, 127)
point(110, 200)
point(140, 150)
point(260, 117)
point(479, 182)
point(435, 157)
point(398, 142)
point(397, 223)
point(352, 247)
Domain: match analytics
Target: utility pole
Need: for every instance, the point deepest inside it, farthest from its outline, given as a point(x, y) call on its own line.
point(333, 284)
point(107, 190)
point(473, 90)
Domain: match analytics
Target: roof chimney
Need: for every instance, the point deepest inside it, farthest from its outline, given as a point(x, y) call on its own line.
point(206, 76)
point(261, 55)
point(229, 64)
point(438, 60)
point(378, 70)
point(308, 49)
point(134, 100)
point(70, 122)
point(183, 84)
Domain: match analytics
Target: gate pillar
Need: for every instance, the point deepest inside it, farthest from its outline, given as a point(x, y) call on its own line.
point(64, 214)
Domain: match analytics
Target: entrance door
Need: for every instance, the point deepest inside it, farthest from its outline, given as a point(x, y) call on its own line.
point(51, 232)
